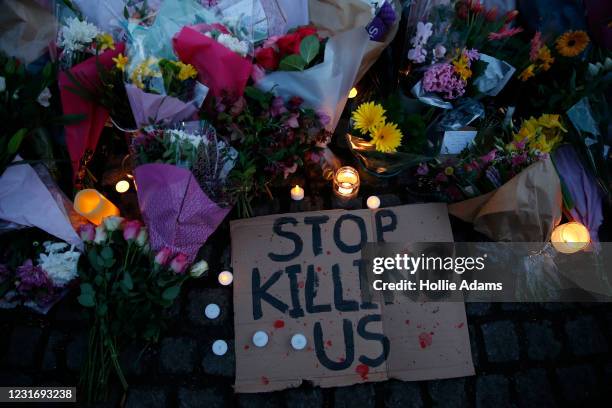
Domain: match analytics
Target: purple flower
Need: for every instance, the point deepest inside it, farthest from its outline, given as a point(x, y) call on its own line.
point(278, 106)
point(519, 159)
point(4, 273)
point(422, 170)
point(34, 283)
point(292, 121)
point(489, 157)
point(441, 177)
point(442, 78)
point(324, 118)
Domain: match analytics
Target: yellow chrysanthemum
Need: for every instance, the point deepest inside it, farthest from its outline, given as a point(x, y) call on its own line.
point(386, 137)
point(368, 116)
point(120, 61)
point(572, 43)
point(543, 133)
point(527, 73)
point(187, 71)
point(545, 59)
point(462, 68)
point(106, 41)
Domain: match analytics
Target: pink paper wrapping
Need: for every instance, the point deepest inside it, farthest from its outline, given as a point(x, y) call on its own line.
point(219, 68)
point(178, 214)
point(150, 108)
point(84, 135)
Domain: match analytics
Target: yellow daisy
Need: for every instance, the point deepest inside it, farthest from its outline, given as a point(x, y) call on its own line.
point(545, 58)
point(386, 137)
point(187, 71)
point(120, 61)
point(462, 67)
point(368, 116)
point(106, 41)
point(527, 73)
point(572, 43)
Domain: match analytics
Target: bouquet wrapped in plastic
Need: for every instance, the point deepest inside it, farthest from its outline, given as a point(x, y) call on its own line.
point(181, 178)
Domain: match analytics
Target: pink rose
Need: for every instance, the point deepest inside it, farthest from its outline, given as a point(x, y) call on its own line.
point(179, 263)
point(131, 229)
point(257, 73)
point(292, 121)
point(163, 256)
point(87, 232)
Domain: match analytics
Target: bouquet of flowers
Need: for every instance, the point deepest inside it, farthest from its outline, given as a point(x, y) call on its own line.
point(202, 43)
point(272, 136)
point(181, 176)
point(126, 287)
point(162, 91)
point(39, 276)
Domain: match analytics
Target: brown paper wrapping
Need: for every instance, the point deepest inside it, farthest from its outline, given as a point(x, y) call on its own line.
point(334, 16)
point(525, 209)
point(26, 29)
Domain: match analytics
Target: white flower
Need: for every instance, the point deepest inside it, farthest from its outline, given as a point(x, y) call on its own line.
point(608, 63)
point(439, 51)
point(2, 84)
point(593, 69)
point(142, 238)
point(77, 35)
point(422, 35)
point(101, 235)
point(234, 44)
point(43, 97)
point(182, 136)
point(417, 54)
point(198, 269)
point(60, 266)
point(112, 223)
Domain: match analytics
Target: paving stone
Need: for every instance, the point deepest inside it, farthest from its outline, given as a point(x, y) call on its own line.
point(402, 394)
point(585, 337)
point(261, 400)
point(199, 298)
point(136, 359)
point(304, 398)
point(518, 307)
point(493, 391)
point(557, 306)
point(578, 384)
point(448, 393)
point(13, 379)
point(69, 310)
point(147, 398)
point(533, 389)
point(360, 395)
point(76, 351)
point(23, 346)
point(178, 355)
point(224, 365)
point(541, 341)
point(501, 341)
point(478, 308)
point(209, 397)
point(474, 344)
point(50, 360)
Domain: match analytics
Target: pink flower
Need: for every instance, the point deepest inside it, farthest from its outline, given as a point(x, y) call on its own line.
point(179, 263)
point(271, 41)
point(238, 106)
point(441, 177)
point(292, 121)
point(163, 256)
point(504, 32)
point(536, 44)
point(324, 118)
point(443, 78)
point(278, 106)
point(489, 157)
point(257, 73)
point(87, 232)
point(131, 229)
point(520, 145)
point(287, 171)
point(519, 159)
point(422, 170)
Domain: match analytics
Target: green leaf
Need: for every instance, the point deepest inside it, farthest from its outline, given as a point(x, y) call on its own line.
point(95, 260)
point(309, 48)
point(292, 63)
point(47, 70)
point(16, 139)
point(127, 281)
point(107, 253)
point(171, 293)
point(86, 288)
point(87, 300)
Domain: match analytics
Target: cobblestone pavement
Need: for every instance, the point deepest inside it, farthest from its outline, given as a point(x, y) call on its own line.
point(531, 355)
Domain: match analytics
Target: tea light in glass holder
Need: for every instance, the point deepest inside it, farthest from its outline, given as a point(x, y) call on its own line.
point(346, 182)
point(94, 206)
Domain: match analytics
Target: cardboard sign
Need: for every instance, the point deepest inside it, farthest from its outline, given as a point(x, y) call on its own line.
point(299, 274)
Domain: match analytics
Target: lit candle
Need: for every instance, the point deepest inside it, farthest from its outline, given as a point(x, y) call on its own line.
point(212, 311)
point(297, 193)
point(570, 237)
point(373, 202)
point(219, 347)
point(346, 182)
point(352, 93)
point(298, 341)
point(260, 338)
point(122, 186)
point(226, 278)
point(94, 206)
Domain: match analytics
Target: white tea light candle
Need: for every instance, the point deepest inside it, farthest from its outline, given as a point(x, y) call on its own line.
point(373, 202)
point(298, 341)
point(297, 193)
point(570, 238)
point(219, 347)
point(226, 278)
point(260, 338)
point(122, 186)
point(346, 182)
point(212, 311)
point(352, 93)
